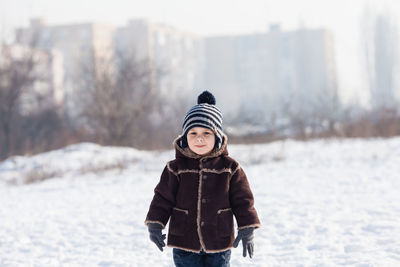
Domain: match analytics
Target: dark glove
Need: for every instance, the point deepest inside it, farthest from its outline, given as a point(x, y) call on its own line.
point(247, 236)
point(156, 236)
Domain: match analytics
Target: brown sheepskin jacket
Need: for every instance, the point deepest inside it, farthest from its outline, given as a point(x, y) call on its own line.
point(201, 194)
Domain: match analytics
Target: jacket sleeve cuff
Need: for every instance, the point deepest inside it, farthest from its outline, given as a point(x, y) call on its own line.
point(255, 226)
point(149, 221)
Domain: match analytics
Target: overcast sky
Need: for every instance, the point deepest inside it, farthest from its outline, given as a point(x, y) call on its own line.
point(213, 17)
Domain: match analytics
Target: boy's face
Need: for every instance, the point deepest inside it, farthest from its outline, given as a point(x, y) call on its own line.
point(201, 140)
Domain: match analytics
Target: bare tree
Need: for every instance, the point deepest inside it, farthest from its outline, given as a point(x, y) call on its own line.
point(40, 131)
point(16, 76)
point(29, 117)
point(116, 97)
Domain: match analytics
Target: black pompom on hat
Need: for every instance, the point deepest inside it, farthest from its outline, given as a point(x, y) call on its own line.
point(207, 98)
point(205, 114)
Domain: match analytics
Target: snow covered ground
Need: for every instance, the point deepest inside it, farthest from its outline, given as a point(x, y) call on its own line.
point(322, 203)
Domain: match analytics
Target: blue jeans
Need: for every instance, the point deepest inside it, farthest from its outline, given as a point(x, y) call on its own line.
point(184, 258)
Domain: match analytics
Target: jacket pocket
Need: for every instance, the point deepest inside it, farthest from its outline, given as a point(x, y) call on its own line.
point(224, 222)
point(178, 221)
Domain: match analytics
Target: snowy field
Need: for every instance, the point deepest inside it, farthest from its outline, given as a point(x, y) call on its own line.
point(321, 203)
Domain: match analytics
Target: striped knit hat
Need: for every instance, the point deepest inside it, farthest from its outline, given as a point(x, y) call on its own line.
point(205, 114)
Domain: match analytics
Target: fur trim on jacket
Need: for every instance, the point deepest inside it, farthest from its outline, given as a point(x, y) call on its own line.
point(200, 195)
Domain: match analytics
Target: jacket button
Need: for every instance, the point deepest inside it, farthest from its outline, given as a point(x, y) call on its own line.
point(202, 224)
point(203, 200)
point(204, 177)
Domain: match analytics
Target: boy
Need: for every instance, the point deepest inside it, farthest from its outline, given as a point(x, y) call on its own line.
point(201, 190)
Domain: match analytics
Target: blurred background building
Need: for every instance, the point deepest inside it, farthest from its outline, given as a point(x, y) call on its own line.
point(46, 73)
point(382, 50)
point(175, 55)
point(266, 76)
point(269, 75)
point(79, 45)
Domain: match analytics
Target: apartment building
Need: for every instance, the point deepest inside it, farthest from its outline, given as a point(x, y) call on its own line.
point(79, 44)
point(174, 56)
point(44, 72)
point(264, 76)
point(268, 75)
